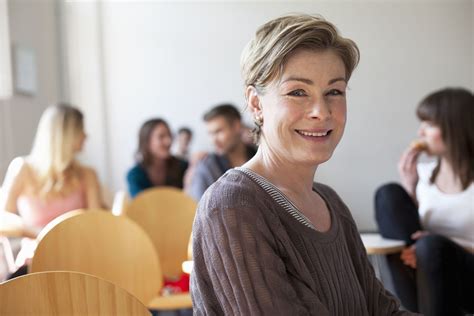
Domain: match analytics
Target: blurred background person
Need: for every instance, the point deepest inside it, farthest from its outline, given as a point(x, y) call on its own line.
point(155, 166)
point(248, 137)
point(224, 126)
point(50, 181)
point(433, 209)
point(183, 142)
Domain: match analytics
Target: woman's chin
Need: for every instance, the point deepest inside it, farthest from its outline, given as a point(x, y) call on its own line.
point(163, 156)
point(315, 160)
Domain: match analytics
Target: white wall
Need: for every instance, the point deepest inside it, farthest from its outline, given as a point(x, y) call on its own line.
point(5, 58)
point(32, 25)
point(177, 59)
point(81, 39)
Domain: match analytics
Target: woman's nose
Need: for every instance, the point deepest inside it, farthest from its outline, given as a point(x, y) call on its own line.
point(320, 110)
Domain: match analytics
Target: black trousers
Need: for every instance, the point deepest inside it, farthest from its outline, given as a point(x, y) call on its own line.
point(443, 282)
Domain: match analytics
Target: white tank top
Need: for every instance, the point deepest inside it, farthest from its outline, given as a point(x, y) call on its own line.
point(450, 215)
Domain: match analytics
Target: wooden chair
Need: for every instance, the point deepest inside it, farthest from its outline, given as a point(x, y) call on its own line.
point(167, 215)
point(101, 244)
point(66, 293)
point(12, 225)
point(111, 247)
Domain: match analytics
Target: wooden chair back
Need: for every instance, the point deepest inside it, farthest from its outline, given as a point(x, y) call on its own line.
point(99, 243)
point(167, 215)
point(66, 293)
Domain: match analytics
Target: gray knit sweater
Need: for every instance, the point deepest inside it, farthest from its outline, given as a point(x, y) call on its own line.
point(256, 254)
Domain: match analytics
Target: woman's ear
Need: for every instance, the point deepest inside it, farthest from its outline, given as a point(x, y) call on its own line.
point(253, 101)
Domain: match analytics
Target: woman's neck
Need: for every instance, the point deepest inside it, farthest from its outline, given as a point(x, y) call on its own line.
point(158, 163)
point(287, 175)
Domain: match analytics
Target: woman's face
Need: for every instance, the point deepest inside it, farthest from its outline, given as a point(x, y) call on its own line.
point(160, 141)
point(304, 112)
point(431, 134)
point(81, 138)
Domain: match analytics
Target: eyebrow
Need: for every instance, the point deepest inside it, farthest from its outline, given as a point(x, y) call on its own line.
point(310, 82)
point(337, 79)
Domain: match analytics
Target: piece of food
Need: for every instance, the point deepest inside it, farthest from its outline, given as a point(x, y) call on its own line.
point(419, 145)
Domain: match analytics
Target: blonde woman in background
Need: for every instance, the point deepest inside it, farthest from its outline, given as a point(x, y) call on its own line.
point(50, 181)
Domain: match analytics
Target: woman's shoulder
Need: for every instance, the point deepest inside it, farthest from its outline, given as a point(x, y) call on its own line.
point(233, 190)
point(19, 168)
point(234, 186)
point(19, 177)
point(87, 172)
point(18, 164)
point(136, 170)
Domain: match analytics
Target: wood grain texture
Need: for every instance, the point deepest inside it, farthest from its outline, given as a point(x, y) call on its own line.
point(66, 293)
point(110, 247)
point(167, 215)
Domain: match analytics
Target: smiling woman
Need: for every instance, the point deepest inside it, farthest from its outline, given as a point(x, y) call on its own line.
point(267, 240)
point(305, 110)
point(155, 164)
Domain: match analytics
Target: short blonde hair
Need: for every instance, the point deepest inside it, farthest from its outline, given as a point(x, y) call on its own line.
point(265, 55)
point(53, 152)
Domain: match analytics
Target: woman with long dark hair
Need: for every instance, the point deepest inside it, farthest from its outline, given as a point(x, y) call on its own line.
point(433, 209)
point(155, 164)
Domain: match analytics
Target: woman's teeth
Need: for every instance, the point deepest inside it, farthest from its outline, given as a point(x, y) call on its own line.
point(313, 134)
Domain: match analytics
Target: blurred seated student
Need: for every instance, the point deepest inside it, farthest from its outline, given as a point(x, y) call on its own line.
point(155, 165)
point(50, 181)
point(433, 209)
point(183, 142)
point(224, 126)
point(247, 136)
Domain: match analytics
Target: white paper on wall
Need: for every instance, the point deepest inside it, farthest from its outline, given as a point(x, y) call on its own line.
point(25, 70)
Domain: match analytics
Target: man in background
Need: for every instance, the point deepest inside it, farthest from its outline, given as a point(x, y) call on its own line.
point(183, 141)
point(224, 126)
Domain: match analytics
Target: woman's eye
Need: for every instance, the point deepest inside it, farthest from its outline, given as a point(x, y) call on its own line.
point(334, 92)
point(297, 93)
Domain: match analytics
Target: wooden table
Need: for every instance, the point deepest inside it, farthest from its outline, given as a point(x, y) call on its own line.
point(375, 244)
point(377, 247)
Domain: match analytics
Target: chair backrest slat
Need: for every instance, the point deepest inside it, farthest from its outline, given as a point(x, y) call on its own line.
point(99, 243)
point(167, 215)
point(66, 293)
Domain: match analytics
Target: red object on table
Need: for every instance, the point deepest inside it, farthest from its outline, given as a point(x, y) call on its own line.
point(174, 286)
